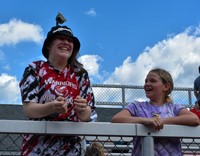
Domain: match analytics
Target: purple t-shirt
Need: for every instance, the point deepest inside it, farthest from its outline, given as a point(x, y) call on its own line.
point(162, 146)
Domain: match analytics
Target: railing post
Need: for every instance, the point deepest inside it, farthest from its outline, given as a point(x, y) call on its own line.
point(147, 146)
point(190, 98)
point(123, 97)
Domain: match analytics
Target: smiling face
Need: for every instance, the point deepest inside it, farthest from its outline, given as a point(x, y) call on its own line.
point(60, 49)
point(155, 89)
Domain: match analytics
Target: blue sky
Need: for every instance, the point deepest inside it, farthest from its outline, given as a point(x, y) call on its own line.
point(120, 40)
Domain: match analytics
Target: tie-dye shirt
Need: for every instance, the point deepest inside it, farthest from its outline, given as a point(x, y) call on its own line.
point(42, 83)
point(162, 146)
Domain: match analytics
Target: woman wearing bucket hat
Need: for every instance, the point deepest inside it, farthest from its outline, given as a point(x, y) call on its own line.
point(57, 90)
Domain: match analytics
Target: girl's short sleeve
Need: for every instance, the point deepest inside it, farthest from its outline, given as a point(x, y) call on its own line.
point(177, 108)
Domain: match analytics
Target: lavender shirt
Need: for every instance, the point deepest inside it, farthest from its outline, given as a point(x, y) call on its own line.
point(162, 146)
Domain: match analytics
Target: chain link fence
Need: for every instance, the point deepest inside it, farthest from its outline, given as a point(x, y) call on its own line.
point(119, 95)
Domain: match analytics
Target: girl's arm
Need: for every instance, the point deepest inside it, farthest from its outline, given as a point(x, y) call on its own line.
point(125, 116)
point(185, 117)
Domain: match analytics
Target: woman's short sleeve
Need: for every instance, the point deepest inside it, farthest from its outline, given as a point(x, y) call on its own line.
point(29, 84)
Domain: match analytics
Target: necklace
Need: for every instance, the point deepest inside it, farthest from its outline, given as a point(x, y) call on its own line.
point(155, 110)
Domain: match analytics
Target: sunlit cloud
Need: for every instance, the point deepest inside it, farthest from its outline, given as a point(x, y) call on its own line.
point(9, 89)
point(16, 31)
point(90, 63)
point(179, 54)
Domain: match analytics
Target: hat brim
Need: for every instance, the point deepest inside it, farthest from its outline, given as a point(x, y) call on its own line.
point(49, 39)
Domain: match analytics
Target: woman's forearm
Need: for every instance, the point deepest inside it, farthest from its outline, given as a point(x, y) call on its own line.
point(37, 110)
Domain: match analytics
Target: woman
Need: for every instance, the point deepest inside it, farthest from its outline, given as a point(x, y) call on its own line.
point(157, 112)
point(57, 90)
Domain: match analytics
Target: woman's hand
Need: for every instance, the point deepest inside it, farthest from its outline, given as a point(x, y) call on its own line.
point(60, 105)
point(38, 110)
point(80, 104)
point(81, 108)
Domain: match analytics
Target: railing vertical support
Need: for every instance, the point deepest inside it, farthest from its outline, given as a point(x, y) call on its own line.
point(190, 98)
point(147, 146)
point(123, 97)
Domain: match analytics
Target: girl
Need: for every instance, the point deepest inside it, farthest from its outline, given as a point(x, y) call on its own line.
point(156, 112)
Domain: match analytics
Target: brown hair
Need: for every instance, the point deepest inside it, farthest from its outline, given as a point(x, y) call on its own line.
point(95, 149)
point(166, 78)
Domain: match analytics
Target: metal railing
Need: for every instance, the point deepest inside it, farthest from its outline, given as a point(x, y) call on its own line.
point(108, 96)
point(11, 135)
point(120, 95)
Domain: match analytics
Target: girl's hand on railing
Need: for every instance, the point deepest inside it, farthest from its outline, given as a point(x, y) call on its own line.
point(154, 123)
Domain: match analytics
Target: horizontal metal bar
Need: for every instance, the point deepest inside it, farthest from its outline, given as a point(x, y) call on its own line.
point(95, 129)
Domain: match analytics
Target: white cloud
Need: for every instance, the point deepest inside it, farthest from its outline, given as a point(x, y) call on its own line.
point(90, 63)
point(179, 54)
point(17, 31)
point(91, 12)
point(9, 89)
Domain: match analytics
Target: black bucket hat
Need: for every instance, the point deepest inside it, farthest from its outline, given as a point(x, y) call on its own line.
point(60, 30)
